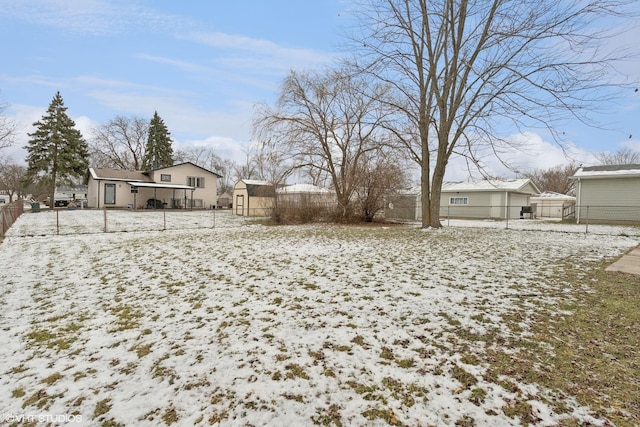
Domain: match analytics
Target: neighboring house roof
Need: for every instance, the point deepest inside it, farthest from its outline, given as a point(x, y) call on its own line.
point(118, 175)
point(516, 185)
point(548, 195)
point(302, 188)
point(608, 171)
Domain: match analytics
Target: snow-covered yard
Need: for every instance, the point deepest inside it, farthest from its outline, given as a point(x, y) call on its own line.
point(243, 324)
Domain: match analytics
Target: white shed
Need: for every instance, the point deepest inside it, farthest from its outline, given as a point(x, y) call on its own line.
point(553, 205)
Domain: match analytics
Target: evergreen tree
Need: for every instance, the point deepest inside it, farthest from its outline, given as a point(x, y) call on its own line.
point(57, 152)
point(158, 152)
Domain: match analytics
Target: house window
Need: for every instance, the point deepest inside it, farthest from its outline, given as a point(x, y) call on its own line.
point(197, 203)
point(109, 194)
point(195, 181)
point(458, 200)
point(165, 177)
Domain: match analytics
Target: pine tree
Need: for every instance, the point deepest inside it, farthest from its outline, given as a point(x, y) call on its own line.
point(57, 152)
point(158, 152)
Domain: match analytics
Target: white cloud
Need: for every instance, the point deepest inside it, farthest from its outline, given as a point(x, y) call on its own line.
point(535, 154)
point(258, 49)
point(225, 147)
point(94, 17)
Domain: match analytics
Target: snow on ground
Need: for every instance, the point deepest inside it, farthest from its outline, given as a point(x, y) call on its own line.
point(218, 321)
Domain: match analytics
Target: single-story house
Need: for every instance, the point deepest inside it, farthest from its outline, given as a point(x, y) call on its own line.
point(553, 205)
point(608, 193)
point(225, 200)
point(184, 185)
point(483, 199)
point(253, 198)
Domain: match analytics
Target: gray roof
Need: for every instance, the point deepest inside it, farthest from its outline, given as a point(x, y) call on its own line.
point(118, 175)
point(514, 185)
point(608, 171)
point(611, 168)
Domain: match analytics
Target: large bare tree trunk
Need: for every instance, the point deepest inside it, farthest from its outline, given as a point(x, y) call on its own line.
point(469, 69)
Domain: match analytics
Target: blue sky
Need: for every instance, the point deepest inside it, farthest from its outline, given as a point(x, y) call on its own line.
point(202, 65)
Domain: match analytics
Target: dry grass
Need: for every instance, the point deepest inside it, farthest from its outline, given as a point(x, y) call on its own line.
point(591, 353)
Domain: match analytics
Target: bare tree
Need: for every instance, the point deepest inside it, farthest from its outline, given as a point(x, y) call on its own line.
point(119, 143)
point(327, 121)
point(556, 179)
point(204, 157)
point(247, 168)
point(461, 68)
point(7, 129)
point(381, 174)
point(624, 156)
point(13, 179)
point(271, 163)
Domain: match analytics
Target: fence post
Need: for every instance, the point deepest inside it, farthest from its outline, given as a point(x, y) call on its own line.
point(586, 231)
point(448, 215)
point(507, 213)
point(57, 222)
point(105, 219)
point(214, 218)
point(164, 217)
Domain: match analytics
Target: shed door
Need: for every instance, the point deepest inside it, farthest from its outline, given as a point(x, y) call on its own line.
point(239, 205)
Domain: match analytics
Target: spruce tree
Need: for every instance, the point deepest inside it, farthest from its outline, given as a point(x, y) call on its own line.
point(158, 152)
point(57, 152)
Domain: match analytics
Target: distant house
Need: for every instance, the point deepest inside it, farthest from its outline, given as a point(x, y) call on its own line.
point(183, 185)
point(253, 198)
point(608, 193)
point(485, 199)
point(553, 205)
point(65, 194)
point(225, 200)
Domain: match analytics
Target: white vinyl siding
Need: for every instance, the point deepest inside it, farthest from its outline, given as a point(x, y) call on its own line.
point(610, 199)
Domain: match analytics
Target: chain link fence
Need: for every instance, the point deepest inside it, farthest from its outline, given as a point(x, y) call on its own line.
point(587, 219)
point(87, 221)
point(9, 214)
point(567, 218)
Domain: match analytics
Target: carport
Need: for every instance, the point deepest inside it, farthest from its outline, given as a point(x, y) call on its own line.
point(175, 187)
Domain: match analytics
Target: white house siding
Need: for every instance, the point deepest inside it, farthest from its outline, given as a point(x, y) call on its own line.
point(612, 199)
point(203, 197)
point(479, 205)
point(486, 200)
point(516, 203)
point(98, 180)
point(96, 193)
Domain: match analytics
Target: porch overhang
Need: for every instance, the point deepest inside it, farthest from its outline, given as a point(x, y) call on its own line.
point(160, 185)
